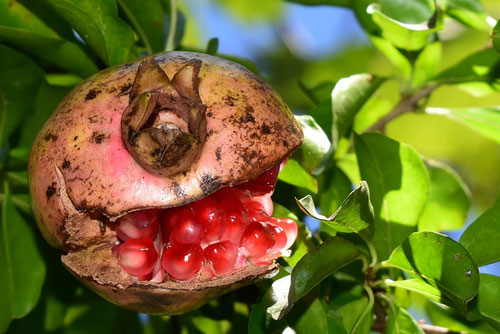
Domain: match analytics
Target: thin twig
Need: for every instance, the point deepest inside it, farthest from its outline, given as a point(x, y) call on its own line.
point(172, 26)
point(405, 105)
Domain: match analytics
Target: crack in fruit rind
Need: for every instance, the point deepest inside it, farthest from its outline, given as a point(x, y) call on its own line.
point(212, 237)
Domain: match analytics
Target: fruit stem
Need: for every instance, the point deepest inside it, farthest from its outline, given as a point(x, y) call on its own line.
point(172, 26)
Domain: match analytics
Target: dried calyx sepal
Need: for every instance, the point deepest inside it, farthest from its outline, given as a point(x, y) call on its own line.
point(164, 126)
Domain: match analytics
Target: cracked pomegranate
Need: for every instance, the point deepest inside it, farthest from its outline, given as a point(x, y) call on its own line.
point(155, 179)
point(219, 232)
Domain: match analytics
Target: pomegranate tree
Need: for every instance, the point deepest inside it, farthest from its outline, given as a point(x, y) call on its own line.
point(155, 178)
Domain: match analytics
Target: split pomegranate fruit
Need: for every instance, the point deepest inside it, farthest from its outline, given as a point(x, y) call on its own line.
point(155, 179)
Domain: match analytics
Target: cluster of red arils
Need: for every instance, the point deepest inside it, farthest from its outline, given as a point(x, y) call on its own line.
point(211, 237)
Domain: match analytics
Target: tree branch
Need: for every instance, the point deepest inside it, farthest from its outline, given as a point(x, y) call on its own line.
point(405, 105)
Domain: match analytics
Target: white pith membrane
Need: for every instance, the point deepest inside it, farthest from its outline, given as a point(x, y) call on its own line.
point(213, 237)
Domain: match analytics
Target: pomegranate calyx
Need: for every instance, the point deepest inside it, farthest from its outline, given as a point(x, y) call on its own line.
point(164, 126)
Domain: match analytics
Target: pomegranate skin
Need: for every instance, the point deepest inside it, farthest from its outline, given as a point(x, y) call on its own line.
point(83, 177)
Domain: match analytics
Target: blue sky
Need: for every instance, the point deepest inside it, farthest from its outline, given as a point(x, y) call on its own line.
point(310, 32)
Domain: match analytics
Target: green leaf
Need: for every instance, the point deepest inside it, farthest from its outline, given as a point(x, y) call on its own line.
point(486, 121)
point(411, 12)
point(441, 262)
point(358, 314)
point(23, 269)
point(469, 12)
point(22, 29)
point(348, 163)
point(335, 324)
point(409, 34)
point(21, 202)
point(489, 295)
point(382, 102)
point(320, 263)
point(479, 66)
point(322, 114)
point(308, 317)
point(427, 63)
point(447, 317)
point(449, 200)
point(419, 286)
point(253, 10)
point(315, 145)
point(348, 96)
point(18, 178)
point(340, 3)
point(260, 322)
point(61, 53)
point(399, 187)
point(314, 267)
point(481, 236)
point(19, 79)
point(212, 46)
point(334, 187)
point(354, 214)
point(46, 100)
point(401, 322)
point(146, 17)
point(318, 93)
point(98, 24)
point(92, 314)
point(496, 36)
point(296, 175)
point(62, 79)
point(393, 54)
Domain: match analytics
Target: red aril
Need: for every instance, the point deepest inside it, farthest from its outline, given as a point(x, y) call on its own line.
point(168, 219)
point(222, 255)
point(280, 237)
point(258, 216)
point(187, 228)
point(137, 256)
point(138, 225)
point(234, 208)
point(262, 185)
point(182, 261)
point(290, 228)
point(266, 203)
point(212, 218)
point(235, 226)
point(257, 240)
point(235, 193)
point(254, 205)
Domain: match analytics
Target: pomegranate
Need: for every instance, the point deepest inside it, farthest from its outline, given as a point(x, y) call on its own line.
point(155, 178)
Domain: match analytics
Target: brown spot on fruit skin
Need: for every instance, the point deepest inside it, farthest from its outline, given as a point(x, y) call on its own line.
point(97, 137)
point(125, 89)
point(92, 94)
point(50, 136)
point(218, 153)
point(51, 190)
point(179, 192)
point(265, 129)
point(66, 164)
point(209, 184)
